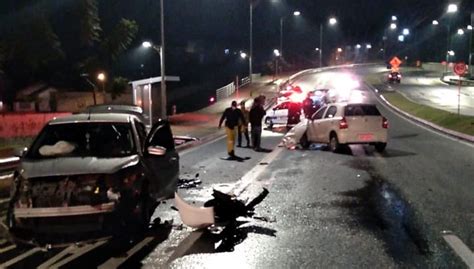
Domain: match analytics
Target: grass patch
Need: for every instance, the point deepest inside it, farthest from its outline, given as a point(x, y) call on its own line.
point(463, 124)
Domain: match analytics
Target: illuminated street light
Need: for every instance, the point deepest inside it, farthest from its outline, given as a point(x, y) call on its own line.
point(316, 49)
point(394, 18)
point(393, 26)
point(296, 13)
point(401, 38)
point(358, 46)
point(332, 21)
point(451, 53)
point(276, 52)
point(368, 46)
point(406, 31)
point(339, 49)
point(460, 31)
point(147, 44)
point(101, 78)
point(469, 27)
point(435, 22)
point(243, 55)
point(452, 8)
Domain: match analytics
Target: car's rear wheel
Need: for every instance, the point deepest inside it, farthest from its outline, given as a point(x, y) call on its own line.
point(304, 142)
point(380, 147)
point(334, 145)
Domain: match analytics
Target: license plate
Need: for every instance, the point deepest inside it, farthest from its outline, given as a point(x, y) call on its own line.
point(366, 137)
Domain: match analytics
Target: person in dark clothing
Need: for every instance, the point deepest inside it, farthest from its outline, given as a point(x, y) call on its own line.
point(308, 106)
point(232, 115)
point(294, 113)
point(255, 117)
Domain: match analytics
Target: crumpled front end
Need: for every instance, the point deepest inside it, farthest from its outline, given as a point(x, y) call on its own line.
point(66, 203)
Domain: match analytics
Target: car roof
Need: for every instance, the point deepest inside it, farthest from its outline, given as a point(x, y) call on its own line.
point(93, 117)
point(115, 108)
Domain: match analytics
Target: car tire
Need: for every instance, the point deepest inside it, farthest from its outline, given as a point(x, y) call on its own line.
point(304, 142)
point(380, 147)
point(334, 145)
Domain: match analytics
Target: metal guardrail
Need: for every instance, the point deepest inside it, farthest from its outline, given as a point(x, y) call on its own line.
point(225, 91)
point(244, 81)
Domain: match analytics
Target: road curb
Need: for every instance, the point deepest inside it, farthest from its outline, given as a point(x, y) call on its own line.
point(455, 134)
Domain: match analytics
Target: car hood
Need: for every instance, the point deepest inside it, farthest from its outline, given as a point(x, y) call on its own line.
point(293, 136)
point(75, 166)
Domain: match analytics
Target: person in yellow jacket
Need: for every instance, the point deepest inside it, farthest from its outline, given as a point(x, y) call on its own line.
point(232, 115)
point(243, 126)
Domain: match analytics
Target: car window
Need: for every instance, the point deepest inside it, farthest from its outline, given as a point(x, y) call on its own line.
point(104, 140)
point(141, 130)
point(331, 112)
point(319, 114)
point(161, 135)
point(361, 110)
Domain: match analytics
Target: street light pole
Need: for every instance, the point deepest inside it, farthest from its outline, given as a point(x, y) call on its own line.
point(470, 46)
point(448, 45)
point(251, 41)
point(162, 63)
point(320, 45)
point(281, 36)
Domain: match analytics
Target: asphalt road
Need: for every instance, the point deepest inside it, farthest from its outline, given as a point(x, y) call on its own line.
point(357, 209)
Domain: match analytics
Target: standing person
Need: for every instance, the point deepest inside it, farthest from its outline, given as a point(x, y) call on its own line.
point(231, 115)
point(243, 126)
point(255, 116)
point(308, 106)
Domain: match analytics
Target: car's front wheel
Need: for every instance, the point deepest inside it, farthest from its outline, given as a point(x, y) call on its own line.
point(334, 145)
point(304, 142)
point(380, 147)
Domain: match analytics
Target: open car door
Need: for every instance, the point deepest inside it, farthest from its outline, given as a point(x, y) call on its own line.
point(162, 161)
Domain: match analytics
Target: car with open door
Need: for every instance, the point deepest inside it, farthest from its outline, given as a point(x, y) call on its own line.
point(90, 171)
point(340, 124)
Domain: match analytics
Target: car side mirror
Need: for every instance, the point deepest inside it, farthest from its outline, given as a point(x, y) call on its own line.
point(156, 150)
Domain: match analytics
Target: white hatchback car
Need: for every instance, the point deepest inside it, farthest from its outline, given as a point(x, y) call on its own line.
point(345, 123)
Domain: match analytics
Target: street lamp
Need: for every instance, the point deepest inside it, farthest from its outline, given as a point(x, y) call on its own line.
point(406, 31)
point(393, 26)
point(101, 78)
point(276, 52)
point(394, 18)
point(401, 38)
point(243, 55)
point(277, 55)
point(460, 31)
point(358, 46)
point(332, 21)
point(339, 49)
point(435, 22)
point(452, 8)
point(368, 46)
point(282, 19)
point(148, 44)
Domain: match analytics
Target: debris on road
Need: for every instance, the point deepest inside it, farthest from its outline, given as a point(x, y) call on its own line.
point(186, 183)
point(222, 209)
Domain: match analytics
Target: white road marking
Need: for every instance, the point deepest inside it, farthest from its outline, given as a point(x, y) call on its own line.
point(252, 175)
point(461, 249)
point(79, 252)
point(20, 257)
point(185, 245)
point(5, 249)
point(57, 257)
point(116, 262)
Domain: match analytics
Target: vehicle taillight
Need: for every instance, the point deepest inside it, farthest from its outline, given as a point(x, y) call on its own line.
point(343, 124)
point(384, 123)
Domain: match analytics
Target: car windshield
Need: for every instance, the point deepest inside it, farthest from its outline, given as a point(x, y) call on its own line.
point(103, 140)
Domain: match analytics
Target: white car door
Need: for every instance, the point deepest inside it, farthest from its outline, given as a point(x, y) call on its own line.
point(281, 114)
point(326, 124)
point(314, 125)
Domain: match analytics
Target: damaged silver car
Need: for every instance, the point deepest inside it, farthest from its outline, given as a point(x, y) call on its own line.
point(89, 170)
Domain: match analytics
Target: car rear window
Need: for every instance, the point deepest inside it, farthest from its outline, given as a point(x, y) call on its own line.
point(361, 110)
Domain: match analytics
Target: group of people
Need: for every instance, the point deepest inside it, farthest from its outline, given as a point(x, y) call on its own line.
point(238, 120)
